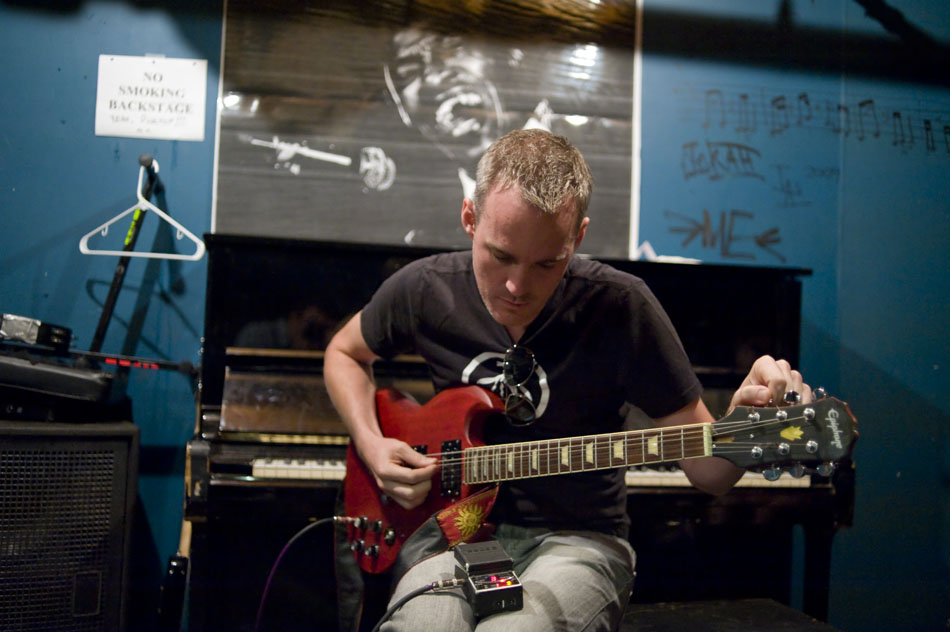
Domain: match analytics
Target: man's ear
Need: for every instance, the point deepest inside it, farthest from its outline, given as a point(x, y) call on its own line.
point(581, 231)
point(468, 217)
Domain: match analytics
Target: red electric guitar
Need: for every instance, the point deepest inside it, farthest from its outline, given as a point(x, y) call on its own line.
point(800, 437)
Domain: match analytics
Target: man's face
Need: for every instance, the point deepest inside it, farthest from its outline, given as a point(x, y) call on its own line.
point(519, 255)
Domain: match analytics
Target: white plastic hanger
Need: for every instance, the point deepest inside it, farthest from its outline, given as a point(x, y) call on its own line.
point(145, 205)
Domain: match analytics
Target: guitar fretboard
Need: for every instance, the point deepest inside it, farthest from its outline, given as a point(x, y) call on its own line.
point(488, 464)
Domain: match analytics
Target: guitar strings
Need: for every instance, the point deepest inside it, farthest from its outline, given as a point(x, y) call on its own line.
point(679, 436)
point(578, 444)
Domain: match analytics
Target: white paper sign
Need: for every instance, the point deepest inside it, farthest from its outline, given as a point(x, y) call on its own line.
point(151, 97)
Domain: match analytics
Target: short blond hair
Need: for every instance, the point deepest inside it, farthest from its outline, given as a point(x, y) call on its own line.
point(550, 171)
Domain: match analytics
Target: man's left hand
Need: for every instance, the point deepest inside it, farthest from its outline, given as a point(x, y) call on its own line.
point(771, 382)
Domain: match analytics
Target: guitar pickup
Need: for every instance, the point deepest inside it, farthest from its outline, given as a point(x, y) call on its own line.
point(451, 468)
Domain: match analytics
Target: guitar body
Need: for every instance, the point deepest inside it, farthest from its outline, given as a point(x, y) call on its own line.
point(450, 422)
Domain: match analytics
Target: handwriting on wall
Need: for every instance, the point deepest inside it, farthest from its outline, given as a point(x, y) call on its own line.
point(777, 142)
point(718, 160)
point(729, 236)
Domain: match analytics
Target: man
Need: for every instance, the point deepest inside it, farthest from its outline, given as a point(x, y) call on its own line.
point(597, 338)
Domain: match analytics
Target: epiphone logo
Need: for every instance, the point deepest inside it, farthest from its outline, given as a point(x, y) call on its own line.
point(832, 419)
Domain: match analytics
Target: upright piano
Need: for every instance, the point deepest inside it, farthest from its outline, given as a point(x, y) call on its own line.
point(268, 453)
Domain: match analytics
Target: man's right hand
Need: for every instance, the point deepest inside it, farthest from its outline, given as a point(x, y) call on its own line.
point(400, 472)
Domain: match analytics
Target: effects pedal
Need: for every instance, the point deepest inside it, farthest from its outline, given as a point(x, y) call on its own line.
point(490, 582)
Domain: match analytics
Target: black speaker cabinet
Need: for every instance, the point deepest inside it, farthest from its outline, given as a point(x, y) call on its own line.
point(67, 492)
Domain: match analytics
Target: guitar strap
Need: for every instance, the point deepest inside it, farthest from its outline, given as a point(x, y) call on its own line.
point(463, 521)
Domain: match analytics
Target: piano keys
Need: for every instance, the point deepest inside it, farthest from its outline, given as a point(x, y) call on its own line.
point(249, 462)
point(642, 477)
point(298, 469)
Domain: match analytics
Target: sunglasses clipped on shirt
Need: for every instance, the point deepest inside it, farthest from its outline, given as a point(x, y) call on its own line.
point(517, 367)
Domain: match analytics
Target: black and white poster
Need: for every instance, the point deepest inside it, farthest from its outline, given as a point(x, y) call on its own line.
point(363, 122)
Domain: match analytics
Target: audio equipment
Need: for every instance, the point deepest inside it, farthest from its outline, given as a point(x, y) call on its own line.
point(490, 582)
point(67, 492)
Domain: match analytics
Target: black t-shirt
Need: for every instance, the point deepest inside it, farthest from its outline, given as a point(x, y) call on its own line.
point(601, 340)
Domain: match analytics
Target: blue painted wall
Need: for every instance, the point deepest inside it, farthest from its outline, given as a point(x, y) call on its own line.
point(869, 215)
point(59, 181)
point(839, 174)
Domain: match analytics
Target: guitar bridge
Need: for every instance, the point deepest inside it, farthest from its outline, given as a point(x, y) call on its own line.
point(451, 468)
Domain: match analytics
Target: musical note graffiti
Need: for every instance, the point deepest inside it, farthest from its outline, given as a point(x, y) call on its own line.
point(782, 113)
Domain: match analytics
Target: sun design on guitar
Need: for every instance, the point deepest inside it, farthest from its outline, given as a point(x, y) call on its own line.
point(468, 520)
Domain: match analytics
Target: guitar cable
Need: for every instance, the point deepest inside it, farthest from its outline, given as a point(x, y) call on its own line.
point(280, 556)
point(442, 584)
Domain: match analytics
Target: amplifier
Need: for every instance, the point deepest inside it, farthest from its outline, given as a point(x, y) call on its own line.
point(67, 492)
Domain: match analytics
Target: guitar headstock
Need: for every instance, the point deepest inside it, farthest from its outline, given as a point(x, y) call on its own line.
point(804, 437)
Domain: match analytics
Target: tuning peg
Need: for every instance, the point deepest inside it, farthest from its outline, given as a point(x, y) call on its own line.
point(772, 474)
point(826, 469)
point(819, 393)
point(798, 470)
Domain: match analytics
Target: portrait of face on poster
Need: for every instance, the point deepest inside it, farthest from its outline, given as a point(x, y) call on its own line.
point(364, 122)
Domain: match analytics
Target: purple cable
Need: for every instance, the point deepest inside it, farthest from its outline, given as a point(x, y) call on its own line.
point(273, 570)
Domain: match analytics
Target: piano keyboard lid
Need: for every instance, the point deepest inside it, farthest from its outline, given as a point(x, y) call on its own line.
point(275, 392)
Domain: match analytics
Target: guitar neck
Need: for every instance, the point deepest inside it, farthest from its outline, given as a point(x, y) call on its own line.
point(510, 461)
